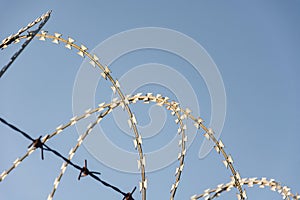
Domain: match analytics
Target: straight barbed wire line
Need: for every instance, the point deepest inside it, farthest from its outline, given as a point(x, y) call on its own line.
point(59, 129)
point(250, 182)
point(16, 129)
point(30, 36)
point(38, 144)
point(115, 103)
point(85, 172)
point(228, 162)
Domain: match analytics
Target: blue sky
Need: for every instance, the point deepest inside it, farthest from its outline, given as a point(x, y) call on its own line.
point(255, 46)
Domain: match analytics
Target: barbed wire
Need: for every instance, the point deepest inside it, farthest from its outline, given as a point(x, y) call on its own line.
point(250, 182)
point(139, 97)
point(13, 38)
point(114, 105)
point(72, 153)
point(94, 61)
point(173, 106)
point(84, 171)
point(124, 102)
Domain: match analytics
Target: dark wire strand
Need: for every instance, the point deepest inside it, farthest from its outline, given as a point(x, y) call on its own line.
point(31, 35)
point(36, 143)
point(16, 129)
point(7, 41)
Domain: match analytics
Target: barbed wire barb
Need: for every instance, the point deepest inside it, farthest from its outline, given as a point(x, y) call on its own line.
point(84, 171)
point(176, 110)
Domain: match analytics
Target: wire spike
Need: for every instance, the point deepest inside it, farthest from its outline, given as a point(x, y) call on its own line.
point(68, 46)
point(80, 53)
point(55, 41)
point(58, 35)
point(83, 48)
point(107, 70)
point(71, 40)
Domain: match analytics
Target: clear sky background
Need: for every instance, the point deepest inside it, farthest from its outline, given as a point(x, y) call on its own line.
point(254, 44)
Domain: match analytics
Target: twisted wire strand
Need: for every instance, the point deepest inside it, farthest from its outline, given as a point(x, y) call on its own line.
point(273, 185)
point(16, 129)
point(30, 36)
